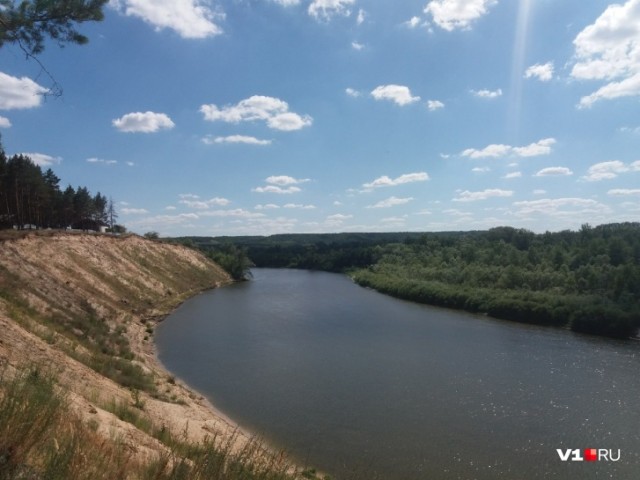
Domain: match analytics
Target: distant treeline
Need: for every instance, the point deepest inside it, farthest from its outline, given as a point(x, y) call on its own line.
point(587, 280)
point(31, 198)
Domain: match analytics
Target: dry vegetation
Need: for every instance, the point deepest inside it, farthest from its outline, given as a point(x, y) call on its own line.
point(82, 394)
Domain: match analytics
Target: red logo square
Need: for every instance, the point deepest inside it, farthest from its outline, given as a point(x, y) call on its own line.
point(590, 454)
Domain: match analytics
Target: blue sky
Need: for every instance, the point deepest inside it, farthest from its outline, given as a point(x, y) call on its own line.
point(233, 117)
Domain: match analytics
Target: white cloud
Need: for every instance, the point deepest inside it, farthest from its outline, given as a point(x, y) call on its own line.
point(134, 211)
point(468, 196)
point(268, 206)
point(235, 139)
point(326, 9)
point(554, 172)
point(513, 175)
point(434, 105)
point(538, 191)
point(623, 192)
point(205, 204)
point(609, 50)
point(284, 180)
point(481, 169)
point(487, 93)
point(566, 207)
point(361, 17)
point(299, 206)
point(357, 46)
point(101, 160)
point(352, 92)
point(189, 18)
point(399, 94)
point(236, 213)
point(605, 170)
point(189, 195)
point(273, 111)
point(17, 93)
point(385, 181)
point(43, 160)
point(543, 72)
point(4, 122)
point(493, 151)
point(287, 3)
point(391, 202)
point(147, 122)
point(170, 208)
point(276, 189)
point(413, 22)
point(541, 147)
point(452, 14)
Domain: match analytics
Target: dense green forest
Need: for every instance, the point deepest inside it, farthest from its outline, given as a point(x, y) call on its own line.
point(31, 198)
point(587, 280)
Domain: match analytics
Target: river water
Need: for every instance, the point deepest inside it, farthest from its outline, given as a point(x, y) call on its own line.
point(349, 380)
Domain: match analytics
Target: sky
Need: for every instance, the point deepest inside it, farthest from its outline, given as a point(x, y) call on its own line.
point(256, 117)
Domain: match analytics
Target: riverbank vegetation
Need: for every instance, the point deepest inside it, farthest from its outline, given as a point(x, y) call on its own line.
point(586, 280)
point(41, 436)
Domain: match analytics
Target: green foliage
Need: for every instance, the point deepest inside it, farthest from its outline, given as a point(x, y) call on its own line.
point(31, 198)
point(232, 259)
point(29, 22)
point(152, 235)
point(587, 280)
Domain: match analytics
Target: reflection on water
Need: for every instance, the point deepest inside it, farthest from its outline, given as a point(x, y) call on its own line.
point(345, 378)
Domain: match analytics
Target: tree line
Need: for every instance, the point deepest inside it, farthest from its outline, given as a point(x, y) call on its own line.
point(31, 198)
point(587, 280)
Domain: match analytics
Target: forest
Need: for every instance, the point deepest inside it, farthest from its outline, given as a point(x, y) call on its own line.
point(31, 198)
point(586, 280)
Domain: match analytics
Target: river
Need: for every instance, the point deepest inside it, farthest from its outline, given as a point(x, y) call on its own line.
point(349, 380)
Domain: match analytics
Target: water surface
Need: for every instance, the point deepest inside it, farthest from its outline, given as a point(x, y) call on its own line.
point(345, 378)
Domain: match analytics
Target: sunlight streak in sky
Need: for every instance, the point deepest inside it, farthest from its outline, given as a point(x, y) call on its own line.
point(517, 69)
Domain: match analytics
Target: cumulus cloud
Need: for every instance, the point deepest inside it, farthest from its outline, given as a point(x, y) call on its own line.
point(457, 14)
point(623, 192)
point(361, 17)
point(608, 170)
point(299, 206)
point(134, 211)
point(268, 206)
point(543, 72)
point(391, 202)
point(325, 10)
point(273, 111)
point(4, 122)
point(434, 105)
point(284, 180)
point(609, 50)
point(413, 22)
point(235, 139)
point(352, 92)
point(468, 196)
point(541, 147)
point(513, 175)
point(287, 3)
point(147, 122)
point(205, 204)
point(560, 207)
point(101, 160)
point(188, 18)
point(385, 181)
point(487, 93)
point(42, 159)
point(237, 213)
point(18, 93)
point(554, 172)
point(357, 46)
point(399, 94)
point(276, 189)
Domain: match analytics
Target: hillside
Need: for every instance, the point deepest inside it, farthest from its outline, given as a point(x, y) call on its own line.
point(82, 308)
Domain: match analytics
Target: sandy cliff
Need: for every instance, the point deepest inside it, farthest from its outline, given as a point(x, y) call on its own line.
point(85, 306)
